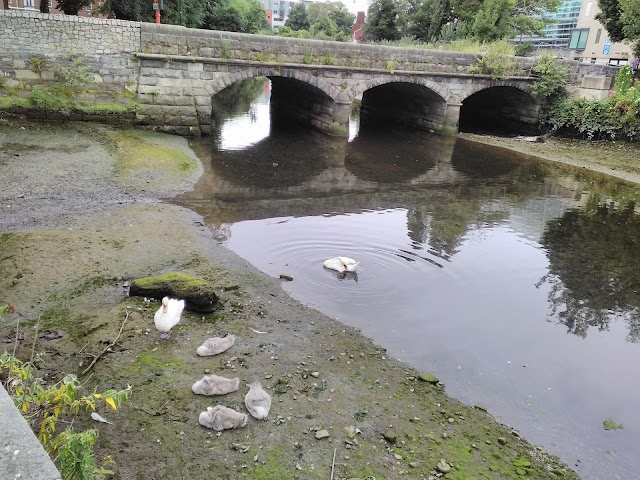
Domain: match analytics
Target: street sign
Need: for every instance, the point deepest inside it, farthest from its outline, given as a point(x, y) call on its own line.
point(606, 47)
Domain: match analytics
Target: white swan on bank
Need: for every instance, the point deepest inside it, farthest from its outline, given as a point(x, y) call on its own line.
point(341, 264)
point(168, 315)
point(257, 401)
point(222, 418)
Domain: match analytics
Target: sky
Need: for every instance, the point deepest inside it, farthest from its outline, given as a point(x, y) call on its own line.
point(356, 6)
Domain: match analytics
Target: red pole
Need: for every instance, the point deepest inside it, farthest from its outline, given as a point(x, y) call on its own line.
point(158, 16)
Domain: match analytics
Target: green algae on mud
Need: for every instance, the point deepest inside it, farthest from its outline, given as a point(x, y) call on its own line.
point(146, 162)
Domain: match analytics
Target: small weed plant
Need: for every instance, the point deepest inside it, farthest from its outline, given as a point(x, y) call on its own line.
point(75, 78)
point(391, 66)
point(38, 64)
point(45, 406)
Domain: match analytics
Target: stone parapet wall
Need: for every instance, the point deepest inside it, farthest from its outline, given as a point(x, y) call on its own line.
point(37, 47)
point(177, 40)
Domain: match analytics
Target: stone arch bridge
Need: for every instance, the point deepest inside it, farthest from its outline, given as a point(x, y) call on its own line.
point(172, 74)
point(316, 82)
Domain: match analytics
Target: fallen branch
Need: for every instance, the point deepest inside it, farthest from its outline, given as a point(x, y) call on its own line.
point(333, 463)
point(111, 345)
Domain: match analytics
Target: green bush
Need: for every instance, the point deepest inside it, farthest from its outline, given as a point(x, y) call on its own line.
point(73, 455)
point(552, 77)
point(615, 117)
point(75, 78)
point(497, 61)
point(525, 48)
point(38, 63)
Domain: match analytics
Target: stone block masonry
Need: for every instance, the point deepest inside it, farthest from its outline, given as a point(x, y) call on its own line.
point(36, 46)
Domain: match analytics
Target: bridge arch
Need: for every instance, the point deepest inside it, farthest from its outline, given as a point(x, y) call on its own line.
point(373, 82)
point(420, 104)
point(227, 79)
point(296, 96)
point(502, 106)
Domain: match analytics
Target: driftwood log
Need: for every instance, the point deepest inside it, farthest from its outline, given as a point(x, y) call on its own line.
point(199, 295)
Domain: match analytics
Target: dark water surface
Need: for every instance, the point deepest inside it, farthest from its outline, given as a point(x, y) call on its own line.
point(514, 282)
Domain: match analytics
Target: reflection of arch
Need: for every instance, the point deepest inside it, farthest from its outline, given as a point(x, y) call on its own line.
point(279, 161)
point(396, 159)
point(229, 78)
point(438, 88)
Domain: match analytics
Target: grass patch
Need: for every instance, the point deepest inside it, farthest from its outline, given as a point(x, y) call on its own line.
point(9, 102)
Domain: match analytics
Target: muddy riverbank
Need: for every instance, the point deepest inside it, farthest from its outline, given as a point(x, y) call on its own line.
point(83, 214)
point(617, 159)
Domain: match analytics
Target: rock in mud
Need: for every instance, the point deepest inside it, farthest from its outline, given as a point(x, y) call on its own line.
point(320, 434)
point(427, 377)
point(390, 437)
point(443, 466)
point(199, 295)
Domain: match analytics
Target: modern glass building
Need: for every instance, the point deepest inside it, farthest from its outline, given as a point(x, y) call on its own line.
point(558, 31)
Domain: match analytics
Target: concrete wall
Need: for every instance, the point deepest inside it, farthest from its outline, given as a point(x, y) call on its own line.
point(21, 454)
point(106, 47)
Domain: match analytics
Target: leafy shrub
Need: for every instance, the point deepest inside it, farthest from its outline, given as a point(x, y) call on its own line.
point(497, 61)
point(624, 79)
point(73, 455)
point(524, 48)
point(76, 77)
point(615, 117)
point(38, 63)
point(42, 406)
point(454, 31)
point(552, 76)
point(38, 98)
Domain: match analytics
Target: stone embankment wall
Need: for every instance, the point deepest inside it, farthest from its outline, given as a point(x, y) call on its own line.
point(37, 48)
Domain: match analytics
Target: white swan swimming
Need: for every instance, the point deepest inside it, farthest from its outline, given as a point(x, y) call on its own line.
point(341, 264)
point(168, 315)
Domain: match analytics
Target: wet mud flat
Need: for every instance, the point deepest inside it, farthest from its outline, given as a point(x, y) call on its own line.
point(84, 212)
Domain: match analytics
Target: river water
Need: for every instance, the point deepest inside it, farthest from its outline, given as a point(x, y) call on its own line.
point(515, 282)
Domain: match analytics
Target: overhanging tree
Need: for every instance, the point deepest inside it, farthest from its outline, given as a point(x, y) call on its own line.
point(609, 16)
point(630, 18)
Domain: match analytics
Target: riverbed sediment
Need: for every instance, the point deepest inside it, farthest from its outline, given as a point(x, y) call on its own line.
point(84, 213)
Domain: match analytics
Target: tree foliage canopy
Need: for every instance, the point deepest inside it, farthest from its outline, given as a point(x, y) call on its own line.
point(387, 19)
point(298, 18)
point(72, 7)
point(621, 19)
point(485, 20)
